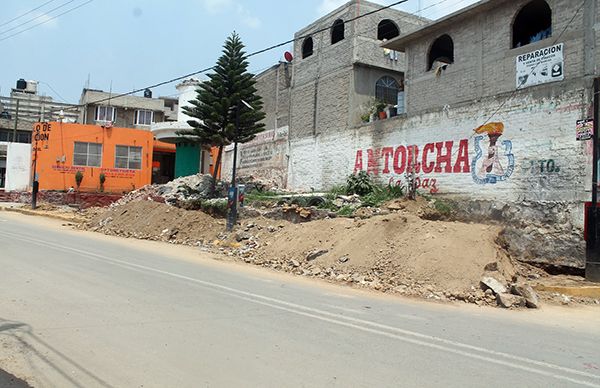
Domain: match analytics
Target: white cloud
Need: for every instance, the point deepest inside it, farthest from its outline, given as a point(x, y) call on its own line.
point(216, 6)
point(327, 6)
point(221, 6)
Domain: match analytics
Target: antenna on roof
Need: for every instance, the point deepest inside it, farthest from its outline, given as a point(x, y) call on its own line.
point(110, 93)
point(420, 9)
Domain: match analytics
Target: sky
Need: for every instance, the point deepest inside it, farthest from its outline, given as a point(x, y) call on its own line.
point(130, 44)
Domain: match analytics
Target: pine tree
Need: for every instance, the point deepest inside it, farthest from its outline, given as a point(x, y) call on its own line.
point(218, 100)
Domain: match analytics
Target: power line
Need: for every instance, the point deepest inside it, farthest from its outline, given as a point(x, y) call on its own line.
point(26, 13)
point(35, 18)
point(47, 20)
point(247, 56)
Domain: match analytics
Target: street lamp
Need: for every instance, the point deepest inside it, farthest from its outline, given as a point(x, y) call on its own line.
point(232, 195)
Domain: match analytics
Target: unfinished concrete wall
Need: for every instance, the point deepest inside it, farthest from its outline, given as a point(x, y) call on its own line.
point(18, 166)
point(484, 60)
point(264, 158)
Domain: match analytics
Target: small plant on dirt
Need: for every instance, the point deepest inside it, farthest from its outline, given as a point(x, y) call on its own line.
point(360, 183)
point(443, 207)
point(382, 194)
point(257, 196)
point(78, 178)
point(102, 178)
point(346, 211)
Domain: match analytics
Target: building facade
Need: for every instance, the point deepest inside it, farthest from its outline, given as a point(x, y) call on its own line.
point(108, 109)
point(120, 156)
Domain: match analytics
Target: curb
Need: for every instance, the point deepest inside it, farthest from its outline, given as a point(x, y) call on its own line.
point(35, 213)
point(582, 291)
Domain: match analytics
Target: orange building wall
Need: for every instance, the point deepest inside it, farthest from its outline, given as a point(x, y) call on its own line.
point(55, 146)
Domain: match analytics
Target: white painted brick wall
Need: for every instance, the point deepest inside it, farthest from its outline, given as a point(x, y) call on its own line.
point(540, 129)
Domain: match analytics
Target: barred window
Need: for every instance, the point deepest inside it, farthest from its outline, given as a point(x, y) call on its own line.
point(386, 90)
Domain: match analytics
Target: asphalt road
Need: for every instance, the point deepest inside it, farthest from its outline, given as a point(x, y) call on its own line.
point(83, 310)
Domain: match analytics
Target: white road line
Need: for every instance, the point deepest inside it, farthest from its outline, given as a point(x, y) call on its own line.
point(356, 323)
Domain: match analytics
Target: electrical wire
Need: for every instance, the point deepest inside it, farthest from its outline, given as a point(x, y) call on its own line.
point(36, 18)
point(46, 21)
point(179, 78)
point(26, 13)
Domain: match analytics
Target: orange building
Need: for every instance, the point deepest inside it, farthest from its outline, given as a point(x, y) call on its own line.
point(122, 155)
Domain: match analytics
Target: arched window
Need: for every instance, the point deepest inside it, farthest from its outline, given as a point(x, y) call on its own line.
point(533, 23)
point(307, 47)
point(387, 29)
point(386, 90)
point(441, 52)
point(337, 31)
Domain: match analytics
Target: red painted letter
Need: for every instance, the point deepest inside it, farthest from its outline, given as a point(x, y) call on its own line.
point(373, 159)
point(444, 159)
point(386, 152)
point(400, 160)
point(428, 166)
point(463, 157)
point(358, 166)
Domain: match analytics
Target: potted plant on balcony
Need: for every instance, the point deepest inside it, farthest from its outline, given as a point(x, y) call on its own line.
point(380, 109)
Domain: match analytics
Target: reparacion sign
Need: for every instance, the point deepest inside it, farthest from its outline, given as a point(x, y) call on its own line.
point(540, 66)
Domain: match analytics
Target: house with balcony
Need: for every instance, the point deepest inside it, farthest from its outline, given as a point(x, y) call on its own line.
point(108, 109)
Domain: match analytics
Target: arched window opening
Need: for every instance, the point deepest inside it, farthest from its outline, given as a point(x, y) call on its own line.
point(387, 89)
point(307, 47)
point(441, 52)
point(387, 29)
point(533, 23)
point(337, 31)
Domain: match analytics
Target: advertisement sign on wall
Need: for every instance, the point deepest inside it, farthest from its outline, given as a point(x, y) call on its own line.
point(540, 66)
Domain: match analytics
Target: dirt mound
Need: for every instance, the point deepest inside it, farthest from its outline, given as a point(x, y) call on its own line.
point(400, 248)
point(394, 251)
point(156, 221)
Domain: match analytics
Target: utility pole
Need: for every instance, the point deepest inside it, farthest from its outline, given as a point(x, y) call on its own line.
point(232, 195)
point(35, 186)
point(592, 262)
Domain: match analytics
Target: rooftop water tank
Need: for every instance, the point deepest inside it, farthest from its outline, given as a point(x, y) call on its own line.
point(21, 84)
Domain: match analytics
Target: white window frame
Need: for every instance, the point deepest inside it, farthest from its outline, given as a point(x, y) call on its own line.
point(87, 154)
point(129, 157)
point(114, 113)
point(145, 111)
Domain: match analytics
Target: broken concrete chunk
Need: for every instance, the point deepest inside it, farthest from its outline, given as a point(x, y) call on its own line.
point(315, 254)
point(493, 284)
point(240, 236)
point(509, 300)
point(531, 298)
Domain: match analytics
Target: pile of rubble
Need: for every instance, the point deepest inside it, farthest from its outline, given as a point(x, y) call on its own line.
point(187, 188)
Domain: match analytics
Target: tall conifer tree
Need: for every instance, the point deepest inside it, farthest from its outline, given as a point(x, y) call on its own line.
point(218, 100)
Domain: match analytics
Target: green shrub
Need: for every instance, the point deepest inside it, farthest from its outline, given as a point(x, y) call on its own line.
point(360, 184)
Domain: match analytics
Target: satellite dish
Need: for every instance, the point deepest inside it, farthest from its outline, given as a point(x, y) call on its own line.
point(288, 56)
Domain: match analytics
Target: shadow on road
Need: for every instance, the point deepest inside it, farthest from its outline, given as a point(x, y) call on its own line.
point(9, 381)
point(39, 354)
